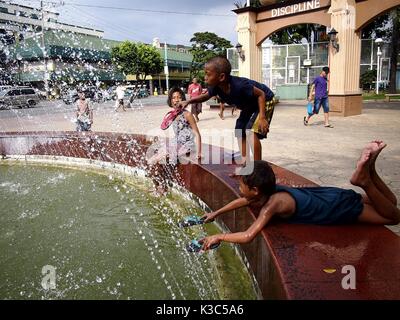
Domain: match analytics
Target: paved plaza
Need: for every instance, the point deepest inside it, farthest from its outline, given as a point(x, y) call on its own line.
point(326, 156)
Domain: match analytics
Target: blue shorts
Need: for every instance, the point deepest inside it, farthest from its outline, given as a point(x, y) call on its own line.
point(321, 101)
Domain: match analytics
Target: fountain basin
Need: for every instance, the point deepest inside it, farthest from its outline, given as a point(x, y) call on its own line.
point(288, 261)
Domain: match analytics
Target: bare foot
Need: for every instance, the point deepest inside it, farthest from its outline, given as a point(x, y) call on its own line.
point(221, 116)
point(375, 147)
point(361, 177)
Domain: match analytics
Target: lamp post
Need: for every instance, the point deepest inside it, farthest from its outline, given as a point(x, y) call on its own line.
point(166, 71)
point(333, 38)
point(378, 67)
point(46, 73)
point(239, 50)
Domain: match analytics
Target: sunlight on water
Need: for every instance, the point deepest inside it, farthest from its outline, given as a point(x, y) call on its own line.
point(106, 239)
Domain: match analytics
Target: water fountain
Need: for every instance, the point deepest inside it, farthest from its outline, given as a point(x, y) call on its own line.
point(98, 225)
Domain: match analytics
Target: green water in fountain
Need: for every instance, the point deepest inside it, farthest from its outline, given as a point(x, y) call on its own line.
point(106, 238)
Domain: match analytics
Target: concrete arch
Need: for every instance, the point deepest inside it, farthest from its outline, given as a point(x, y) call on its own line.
point(267, 27)
point(368, 10)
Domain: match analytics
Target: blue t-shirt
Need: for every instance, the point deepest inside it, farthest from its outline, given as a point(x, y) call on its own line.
point(321, 87)
point(324, 205)
point(242, 93)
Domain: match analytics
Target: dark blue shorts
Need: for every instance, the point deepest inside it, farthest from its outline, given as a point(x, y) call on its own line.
point(318, 102)
point(324, 205)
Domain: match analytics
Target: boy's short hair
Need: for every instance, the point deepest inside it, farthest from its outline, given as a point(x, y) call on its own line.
point(262, 178)
point(326, 69)
point(171, 92)
point(221, 64)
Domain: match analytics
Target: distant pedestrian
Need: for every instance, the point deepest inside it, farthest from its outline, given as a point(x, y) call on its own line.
point(120, 91)
point(194, 91)
point(319, 93)
point(84, 113)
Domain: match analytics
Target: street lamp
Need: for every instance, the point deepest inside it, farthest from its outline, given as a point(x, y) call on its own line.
point(333, 38)
point(240, 51)
point(166, 71)
point(378, 67)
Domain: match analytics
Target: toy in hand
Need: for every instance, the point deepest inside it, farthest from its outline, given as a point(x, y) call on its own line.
point(191, 221)
point(195, 246)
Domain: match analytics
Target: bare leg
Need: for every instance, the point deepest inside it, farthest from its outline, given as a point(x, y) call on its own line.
point(255, 145)
point(306, 119)
point(242, 142)
point(326, 117)
point(221, 111)
point(376, 147)
point(380, 204)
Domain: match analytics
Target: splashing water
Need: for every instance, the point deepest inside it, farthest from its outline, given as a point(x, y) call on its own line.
point(106, 238)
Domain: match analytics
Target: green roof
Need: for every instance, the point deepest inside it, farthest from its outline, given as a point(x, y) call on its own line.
point(61, 44)
point(176, 58)
point(69, 45)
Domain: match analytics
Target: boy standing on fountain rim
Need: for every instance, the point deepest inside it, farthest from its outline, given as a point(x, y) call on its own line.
point(315, 205)
point(254, 99)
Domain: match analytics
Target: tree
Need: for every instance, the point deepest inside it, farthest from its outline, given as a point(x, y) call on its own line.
point(395, 49)
point(387, 27)
point(206, 45)
point(294, 34)
point(138, 59)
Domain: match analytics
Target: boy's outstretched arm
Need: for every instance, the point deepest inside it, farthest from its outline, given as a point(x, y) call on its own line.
point(201, 98)
point(263, 123)
point(274, 206)
point(235, 204)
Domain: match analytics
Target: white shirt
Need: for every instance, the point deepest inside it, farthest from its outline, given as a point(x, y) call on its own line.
point(120, 93)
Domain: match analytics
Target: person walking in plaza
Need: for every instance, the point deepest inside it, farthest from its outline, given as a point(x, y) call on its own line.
point(194, 91)
point(84, 113)
point(255, 100)
point(120, 91)
point(319, 93)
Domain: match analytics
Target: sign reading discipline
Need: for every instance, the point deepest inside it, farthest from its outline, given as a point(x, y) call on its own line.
point(296, 8)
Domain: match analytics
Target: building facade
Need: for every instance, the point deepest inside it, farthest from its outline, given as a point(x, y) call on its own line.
point(45, 52)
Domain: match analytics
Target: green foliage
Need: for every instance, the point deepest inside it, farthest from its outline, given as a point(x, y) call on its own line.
point(150, 60)
point(253, 3)
point(293, 34)
point(206, 45)
point(367, 79)
point(136, 58)
point(378, 28)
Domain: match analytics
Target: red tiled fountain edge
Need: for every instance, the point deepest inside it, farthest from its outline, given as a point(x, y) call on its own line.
point(287, 260)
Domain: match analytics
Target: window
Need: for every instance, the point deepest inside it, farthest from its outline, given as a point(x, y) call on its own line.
point(13, 93)
point(28, 91)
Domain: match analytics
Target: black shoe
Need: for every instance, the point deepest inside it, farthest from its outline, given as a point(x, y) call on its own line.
point(305, 121)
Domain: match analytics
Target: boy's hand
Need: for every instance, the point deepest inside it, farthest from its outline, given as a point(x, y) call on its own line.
point(263, 126)
point(208, 217)
point(209, 241)
point(183, 104)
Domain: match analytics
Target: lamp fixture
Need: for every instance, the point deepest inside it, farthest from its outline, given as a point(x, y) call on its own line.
point(332, 36)
point(239, 49)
